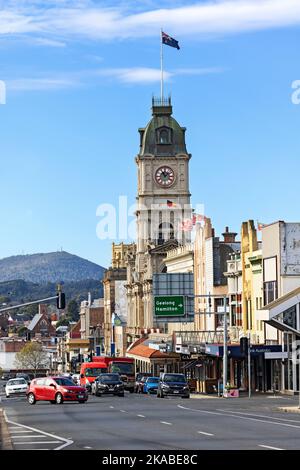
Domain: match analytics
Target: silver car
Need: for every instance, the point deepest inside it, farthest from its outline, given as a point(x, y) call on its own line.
point(16, 387)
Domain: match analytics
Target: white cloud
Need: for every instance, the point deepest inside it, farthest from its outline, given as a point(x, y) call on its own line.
point(87, 19)
point(40, 84)
point(49, 42)
point(133, 75)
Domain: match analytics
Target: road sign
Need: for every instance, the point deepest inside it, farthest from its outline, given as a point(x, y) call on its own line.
point(169, 306)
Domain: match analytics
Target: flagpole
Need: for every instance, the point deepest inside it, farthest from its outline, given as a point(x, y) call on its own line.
point(161, 69)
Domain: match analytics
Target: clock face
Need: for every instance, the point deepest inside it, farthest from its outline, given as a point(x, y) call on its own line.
point(165, 176)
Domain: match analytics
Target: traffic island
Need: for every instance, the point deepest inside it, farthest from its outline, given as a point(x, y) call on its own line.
point(5, 440)
point(289, 409)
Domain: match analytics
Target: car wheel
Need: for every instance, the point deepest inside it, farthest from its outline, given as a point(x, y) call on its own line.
point(7, 396)
point(52, 402)
point(131, 390)
point(121, 394)
point(59, 399)
point(81, 401)
point(162, 395)
point(31, 399)
point(186, 396)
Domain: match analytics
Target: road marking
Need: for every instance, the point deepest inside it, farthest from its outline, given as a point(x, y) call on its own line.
point(240, 417)
point(87, 447)
point(263, 416)
point(36, 442)
point(123, 411)
point(29, 437)
point(205, 433)
point(18, 430)
point(270, 447)
point(141, 416)
point(166, 422)
point(66, 442)
point(111, 407)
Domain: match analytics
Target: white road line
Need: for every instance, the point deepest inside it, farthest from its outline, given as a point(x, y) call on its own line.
point(270, 447)
point(66, 442)
point(166, 422)
point(36, 442)
point(262, 416)
point(240, 417)
point(141, 416)
point(205, 433)
point(111, 407)
point(18, 430)
point(29, 437)
point(123, 411)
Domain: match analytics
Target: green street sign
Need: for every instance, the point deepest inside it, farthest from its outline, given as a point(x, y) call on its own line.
point(169, 306)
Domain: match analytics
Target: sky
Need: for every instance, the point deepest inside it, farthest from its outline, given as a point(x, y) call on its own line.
point(79, 78)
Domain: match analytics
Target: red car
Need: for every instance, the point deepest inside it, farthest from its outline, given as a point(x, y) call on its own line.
point(56, 390)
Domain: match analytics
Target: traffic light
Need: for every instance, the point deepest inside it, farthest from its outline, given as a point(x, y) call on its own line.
point(61, 301)
point(244, 345)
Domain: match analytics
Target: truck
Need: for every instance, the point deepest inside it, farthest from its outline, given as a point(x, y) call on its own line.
point(122, 365)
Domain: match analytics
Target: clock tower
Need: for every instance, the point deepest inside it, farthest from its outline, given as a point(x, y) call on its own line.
point(163, 204)
point(163, 179)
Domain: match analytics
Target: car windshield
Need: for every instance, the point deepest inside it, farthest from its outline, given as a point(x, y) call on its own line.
point(123, 367)
point(109, 378)
point(17, 382)
point(94, 371)
point(64, 381)
point(174, 378)
point(153, 380)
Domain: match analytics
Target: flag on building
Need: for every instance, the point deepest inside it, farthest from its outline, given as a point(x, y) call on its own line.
point(260, 226)
point(198, 218)
point(170, 203)
point(186, 225)
point(166, 39)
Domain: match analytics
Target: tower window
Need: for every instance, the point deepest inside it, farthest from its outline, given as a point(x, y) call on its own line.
point(164, 136)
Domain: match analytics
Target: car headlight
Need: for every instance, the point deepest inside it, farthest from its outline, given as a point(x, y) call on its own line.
point(185, 387)
point(165, 386)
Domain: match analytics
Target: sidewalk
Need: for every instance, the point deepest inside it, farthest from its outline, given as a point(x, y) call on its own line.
point(5, 441)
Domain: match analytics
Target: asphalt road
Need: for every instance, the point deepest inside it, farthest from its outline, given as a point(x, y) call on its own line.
point(148, 423)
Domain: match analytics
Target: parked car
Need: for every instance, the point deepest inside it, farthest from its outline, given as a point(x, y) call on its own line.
point(7, 376)
point(139, 383)
point(151, 385)
point(56, 390)
point(16, 387)
point(20, 375)
point(173, 385)
point(108, 383)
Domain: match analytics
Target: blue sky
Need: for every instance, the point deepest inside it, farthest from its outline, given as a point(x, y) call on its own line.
point(80, 76)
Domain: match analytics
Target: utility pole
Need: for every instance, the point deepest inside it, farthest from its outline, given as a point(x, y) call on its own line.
point(249, 366)
point(225, 348)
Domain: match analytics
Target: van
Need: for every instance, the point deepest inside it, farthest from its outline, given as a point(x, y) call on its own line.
point(89, 371)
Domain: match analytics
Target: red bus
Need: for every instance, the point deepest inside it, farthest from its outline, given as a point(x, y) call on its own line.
point(123, 366)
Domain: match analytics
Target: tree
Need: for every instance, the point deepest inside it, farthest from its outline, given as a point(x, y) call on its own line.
point(62, 322)
point(73, 310)
point(22, 331)
point(32, 357)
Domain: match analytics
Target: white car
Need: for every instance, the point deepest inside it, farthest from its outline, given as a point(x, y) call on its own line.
point(16, 387)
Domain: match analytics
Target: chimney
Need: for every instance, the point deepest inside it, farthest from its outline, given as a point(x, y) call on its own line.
point(229, 237)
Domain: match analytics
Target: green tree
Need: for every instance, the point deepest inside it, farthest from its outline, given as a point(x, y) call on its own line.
point(22, 331)
point(73, 310)
point(32, 356)
point(62, 322)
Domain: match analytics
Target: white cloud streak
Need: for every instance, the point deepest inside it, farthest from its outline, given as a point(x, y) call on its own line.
point(84, 19)
point(133, 75)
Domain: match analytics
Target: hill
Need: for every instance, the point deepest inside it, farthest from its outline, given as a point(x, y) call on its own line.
point(19, 291)
point(52, 267)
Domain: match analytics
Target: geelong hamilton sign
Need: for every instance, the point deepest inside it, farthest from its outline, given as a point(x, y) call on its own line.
point(169, 306)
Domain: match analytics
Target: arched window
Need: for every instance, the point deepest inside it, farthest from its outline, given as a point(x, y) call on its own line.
point(164, 137)
point(165, 232)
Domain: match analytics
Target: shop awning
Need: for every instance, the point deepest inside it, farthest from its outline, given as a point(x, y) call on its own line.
point(192, 364)
point(282, 326)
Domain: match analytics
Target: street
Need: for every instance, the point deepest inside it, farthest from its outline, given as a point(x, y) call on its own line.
point(147, 423)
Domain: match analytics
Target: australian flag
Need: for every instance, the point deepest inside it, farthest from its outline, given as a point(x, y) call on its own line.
point(169, 41)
